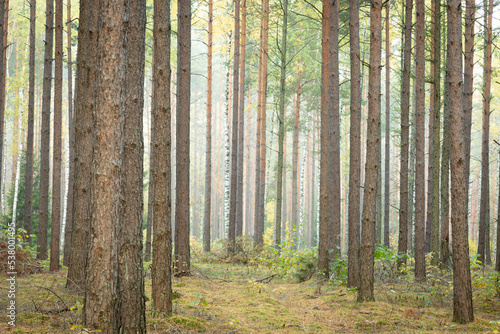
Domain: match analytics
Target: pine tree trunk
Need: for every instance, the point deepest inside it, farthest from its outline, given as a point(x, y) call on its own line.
point(45, 145)
point(365, 292)
point(102, 309)
point(241, 125)
point(208, 161)
point(182, 257)
point(420, 139)
point(435, 239)
point(57, 142)
point(462, 291)
point(405, 134)
point(71, 162)
point(161, 161)
point(227, 180)
point(387, 178)
point(355, 148)
point(281, 126)
point(295, 163)
point(149, 227)
point(2, 106)
point(445, 173)
point(484, 213)
point(85, 100)
point(132, 315)
point(28, 190)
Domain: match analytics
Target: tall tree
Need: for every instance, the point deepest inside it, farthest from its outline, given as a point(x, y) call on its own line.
point(354, 147)
point(462, 291)
point(387, 179)
point(405, 134)
point(2, 107)
point(234, 131)
point(57, 142)
point(28, 190)
point(208, 163)
point(241, 123)
point(445, 173)
point(436, 90)
point(132, 314)
point(45, 145)
point(420, 138)
point(484, 213)
point(295, 161)
point(161, 154)
point(85, 102)
point(71, 131)
point(260, 177)
point(101, 305)
point(182, 256)
point(365, 292)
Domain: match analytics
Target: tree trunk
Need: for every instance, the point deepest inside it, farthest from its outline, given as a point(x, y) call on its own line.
point(355, 148)
point(234, 132)
point(405, 134)
point(28, 190)
point(132, 316)
point(161, 155)
point(241, 125)
point(227, 180)
point(281, 126)
point(2, 94)
point(435, 239)
point(149, 227)
point(445, 174)
point(101, 305)
point(462, 291)
point(71, 162)
point(420, 139)
point(484, 213)
point(387, 178)
point(295, 162)
point(85, 102)
point(365, 292)
point(45, 146)
point(182, 257)
point(208, 162)
point(57, 142)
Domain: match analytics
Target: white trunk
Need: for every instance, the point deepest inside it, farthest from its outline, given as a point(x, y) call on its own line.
point(301, 195)
point(18, 172)
point(227, 180)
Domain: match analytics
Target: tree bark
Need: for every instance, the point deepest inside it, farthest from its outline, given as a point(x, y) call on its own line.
point(102, 298)
point(132, 314)
point(420, 138)
point(484, 213)
point(2, 96)
point(45, 145)
point(57, 143)
point(365, 292)
point(445, 174)
point(405, 135)
point(387, 178)
point(28, 190)
point(71, 131)
point(462, 291)
point(208, 162)
point(182, 256)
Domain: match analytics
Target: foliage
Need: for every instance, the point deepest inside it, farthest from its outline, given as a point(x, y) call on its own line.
point(386, 260)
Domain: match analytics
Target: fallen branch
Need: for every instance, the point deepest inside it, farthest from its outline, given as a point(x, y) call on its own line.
point(266, 279)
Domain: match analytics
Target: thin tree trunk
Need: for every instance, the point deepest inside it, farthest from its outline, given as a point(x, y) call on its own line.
point(295, 161)
point(85, 102)
point(234, 132)
point(420, 139)
point(149, 227)
point(405, 134)
point(2, 96)
point(365, 292)
point(208, 162)
point(28, 190)
point(57, 142)
point(354, 148)
point(435, 239)
point(484, 213)
point(182, 250)
point(227, 180)
point(45, 146)
point(445, 174)
point(387, 179)
point(71, 131)
point(462, 291)
point(241, 125)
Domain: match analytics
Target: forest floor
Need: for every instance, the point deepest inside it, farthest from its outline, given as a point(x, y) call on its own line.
point(232, 298)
